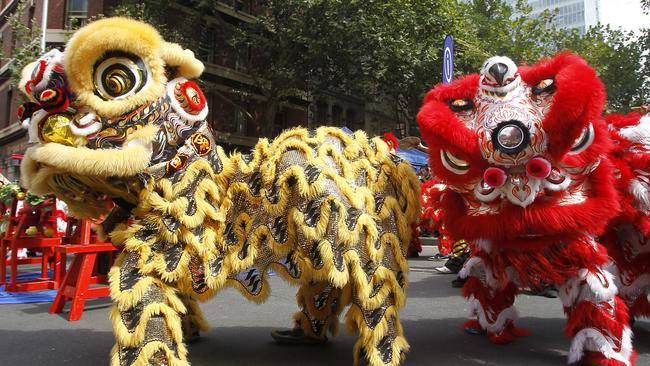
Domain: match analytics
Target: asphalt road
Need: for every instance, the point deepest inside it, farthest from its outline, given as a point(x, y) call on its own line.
point(432, 320)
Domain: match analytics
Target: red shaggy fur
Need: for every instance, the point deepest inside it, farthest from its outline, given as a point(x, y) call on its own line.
point(550, 240)
point(579, 99)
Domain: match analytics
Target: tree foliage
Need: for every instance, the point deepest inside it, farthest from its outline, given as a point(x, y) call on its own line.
point(388, 51)
point(377, 50)
point(164, 15)
point(618, 56)
point(26, 42)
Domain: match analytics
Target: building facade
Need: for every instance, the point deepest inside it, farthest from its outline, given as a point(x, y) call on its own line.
point(575, 14)
point(236, 106)
point(62, 15)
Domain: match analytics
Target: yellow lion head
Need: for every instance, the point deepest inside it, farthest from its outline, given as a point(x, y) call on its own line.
point(115, 103)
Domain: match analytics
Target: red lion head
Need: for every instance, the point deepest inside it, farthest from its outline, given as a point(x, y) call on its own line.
point(523, 151)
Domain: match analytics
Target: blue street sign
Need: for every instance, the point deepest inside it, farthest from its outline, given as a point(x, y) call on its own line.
point(448, 60)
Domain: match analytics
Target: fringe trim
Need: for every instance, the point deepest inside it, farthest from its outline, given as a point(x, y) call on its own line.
point(506, 317)
point(600, 343)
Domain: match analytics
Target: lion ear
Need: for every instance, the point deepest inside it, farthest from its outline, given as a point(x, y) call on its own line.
point(25, 77)
point(182, 60)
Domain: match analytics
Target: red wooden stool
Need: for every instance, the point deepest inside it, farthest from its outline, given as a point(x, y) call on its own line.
point(42, 216)
point(82, 272)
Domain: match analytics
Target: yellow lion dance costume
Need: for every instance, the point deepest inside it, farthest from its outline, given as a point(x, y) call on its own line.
point(119, 133)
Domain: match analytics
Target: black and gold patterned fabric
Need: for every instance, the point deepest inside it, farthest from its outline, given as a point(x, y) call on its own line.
point(328, 211)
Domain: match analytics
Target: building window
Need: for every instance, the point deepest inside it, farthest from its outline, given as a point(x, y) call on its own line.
point(351, 119)
point(76, 13)
point(321, 113)
point(8, 114)
point(337, 112)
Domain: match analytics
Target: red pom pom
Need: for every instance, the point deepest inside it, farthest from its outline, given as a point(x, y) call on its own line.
point(494, 177)
point(538, 168)
point(193, 96)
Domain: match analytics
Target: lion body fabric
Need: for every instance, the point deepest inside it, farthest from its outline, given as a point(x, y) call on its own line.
point(120, 133)
point(323, 210)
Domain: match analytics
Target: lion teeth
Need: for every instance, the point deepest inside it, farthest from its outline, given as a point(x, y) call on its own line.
point(85, 131)
point(87, 119)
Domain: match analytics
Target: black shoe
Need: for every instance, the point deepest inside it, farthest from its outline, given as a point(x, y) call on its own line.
point(295, 336)
point(548, 291)
point(194, 337)
point(458, 282)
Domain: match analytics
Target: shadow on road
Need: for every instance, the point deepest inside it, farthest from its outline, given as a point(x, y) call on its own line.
point(437, 342)
point(94, 304)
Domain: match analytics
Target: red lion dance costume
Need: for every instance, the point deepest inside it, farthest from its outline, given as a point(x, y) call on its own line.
point(627, 237)
point(530, 170)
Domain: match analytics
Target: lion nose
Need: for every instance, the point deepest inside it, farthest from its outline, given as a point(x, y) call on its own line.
point(56, 128)
point(498, 71)
point(511, 137)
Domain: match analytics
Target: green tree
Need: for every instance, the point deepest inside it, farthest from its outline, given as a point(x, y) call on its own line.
point(497, 28)
point(26, 42)
point(377, 50)
point(618, 57)
point(164, 15)
point(386, 51)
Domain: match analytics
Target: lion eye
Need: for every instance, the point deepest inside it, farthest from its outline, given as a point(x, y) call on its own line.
point(453, 163)
point(459, 105)
point(118, 75)
point(584, 140)
point(544, 86)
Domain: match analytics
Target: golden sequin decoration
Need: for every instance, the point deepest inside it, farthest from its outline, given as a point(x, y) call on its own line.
point(56, 128)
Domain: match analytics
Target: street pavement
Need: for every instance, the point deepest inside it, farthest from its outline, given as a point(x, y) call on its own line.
point(432, 320)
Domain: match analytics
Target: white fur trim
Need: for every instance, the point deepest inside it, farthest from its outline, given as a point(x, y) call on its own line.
point(597, 288)
point(52, 58)
point(467, 267)
point(568, 291)
point(177, 106)
point(573, 290)
point(87, 119)
point(639, 189)
point(506, 316)
point(32, 130)
point(639, 133)
point(593, 340)
point(475, 267)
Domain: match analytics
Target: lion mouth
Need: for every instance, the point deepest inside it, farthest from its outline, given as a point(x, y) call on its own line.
point(91, 197)
point(89, 189)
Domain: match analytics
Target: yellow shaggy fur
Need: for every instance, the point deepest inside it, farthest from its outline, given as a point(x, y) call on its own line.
point(90, 43)
point(328, 211)
point(225, 197)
